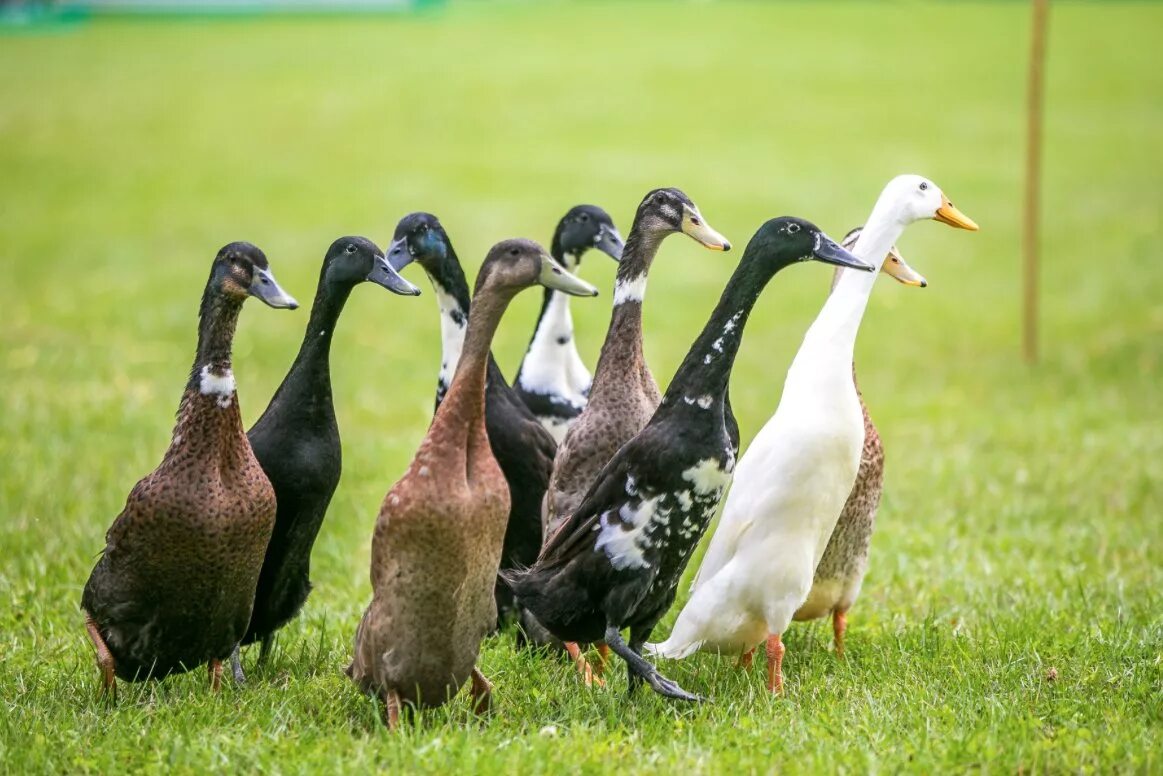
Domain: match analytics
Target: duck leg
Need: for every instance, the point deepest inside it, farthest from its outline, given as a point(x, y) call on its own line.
point(104, 657)
point(215, 669)
point(266, 646)
point(775, 652)
point(236, 666)
point(583, 665)
point(839, 625)
point(391, 710)
point(744, 662)
point(482, 693)
point(604, 655)
point(639, 669)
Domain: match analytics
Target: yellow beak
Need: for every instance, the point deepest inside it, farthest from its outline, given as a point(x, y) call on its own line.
point(695, 227)
point(898, 269)
point(948, 214)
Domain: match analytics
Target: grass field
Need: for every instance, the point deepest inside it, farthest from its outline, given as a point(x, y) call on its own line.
point(1020, 536)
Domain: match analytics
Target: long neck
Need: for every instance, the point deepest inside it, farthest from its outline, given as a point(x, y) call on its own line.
point(308, 381)
point(623, 345)
point(552, 348)
point(452, 297)
point(836, 325)
point(702, 378)
point(218, 318)
point(466, 394)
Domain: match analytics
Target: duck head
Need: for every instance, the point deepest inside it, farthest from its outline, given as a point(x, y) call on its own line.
point(518, 264)
point(915, 198)
point(789, 240)
point(894, 265)
point(666, 211)
point(582, 228)
point(352, 260)
point(240, 270)
point(420, 238)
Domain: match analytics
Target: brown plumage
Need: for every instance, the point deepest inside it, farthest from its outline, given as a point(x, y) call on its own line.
point(174, 586)
point(437, 541)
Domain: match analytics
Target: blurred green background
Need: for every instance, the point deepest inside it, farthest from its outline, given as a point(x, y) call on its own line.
point(1011, 619)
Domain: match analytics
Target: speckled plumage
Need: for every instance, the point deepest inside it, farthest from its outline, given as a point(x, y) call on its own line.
point(174, 586)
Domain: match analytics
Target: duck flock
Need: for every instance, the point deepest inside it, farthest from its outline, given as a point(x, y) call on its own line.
point(569, 504)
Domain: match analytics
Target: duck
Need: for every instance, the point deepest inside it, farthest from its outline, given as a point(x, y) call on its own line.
point(624, 394)
point(438, 538)
point(840, 573)
point(296, 442)
point(174, 586)
point(552, 379)
point(616, 561)
point(520, 443)
point(791, 483)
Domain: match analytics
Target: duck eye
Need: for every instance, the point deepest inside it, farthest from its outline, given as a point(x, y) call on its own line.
point(513, 251)
point(695, 220)
point(585, 217)
point(351, 249)
point(924, 186)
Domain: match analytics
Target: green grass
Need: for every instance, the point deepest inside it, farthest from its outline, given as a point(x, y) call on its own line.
point(1020, 532)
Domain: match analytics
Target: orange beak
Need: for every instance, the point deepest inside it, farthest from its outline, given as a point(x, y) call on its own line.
point(948, 214)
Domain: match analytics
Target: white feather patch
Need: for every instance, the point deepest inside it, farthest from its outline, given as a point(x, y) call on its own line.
point(708, 477)
point(221, 385)
point(630, 290)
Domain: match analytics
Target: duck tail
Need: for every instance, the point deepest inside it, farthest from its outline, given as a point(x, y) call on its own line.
point(673, 650)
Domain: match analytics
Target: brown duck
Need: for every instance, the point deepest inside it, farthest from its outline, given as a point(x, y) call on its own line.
point(437, 541)
point(624, 395)
point(844, 563)
point(174, 586)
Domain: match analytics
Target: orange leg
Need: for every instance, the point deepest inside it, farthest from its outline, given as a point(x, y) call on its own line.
point(583, 665)
point(744, 661)
point(775, 664)
point(839, 625)
point(104, 656)
point(215, 668)
point(604, 654)
point(482, 693)
point(391, 712)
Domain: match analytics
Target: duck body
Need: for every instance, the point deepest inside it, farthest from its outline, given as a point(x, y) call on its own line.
point(552, 380)
point(793, 481)
point(520, 444)
point(175, 584)
point(296, 440)
point(438, 538)
point(616, 562)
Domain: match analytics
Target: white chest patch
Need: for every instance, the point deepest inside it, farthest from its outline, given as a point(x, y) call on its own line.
point(630, 290)
point(220, 386)
point(708, 477)
point(452, 324)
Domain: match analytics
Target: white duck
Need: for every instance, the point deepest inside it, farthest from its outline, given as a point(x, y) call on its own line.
point(792, 483)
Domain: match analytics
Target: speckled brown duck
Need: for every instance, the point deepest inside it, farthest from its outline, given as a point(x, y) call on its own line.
point(624, 394)
point(437, 541)
point(174, 586)
point(844, 563)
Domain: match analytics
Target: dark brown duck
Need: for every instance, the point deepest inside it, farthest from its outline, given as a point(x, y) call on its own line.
point(174, 586)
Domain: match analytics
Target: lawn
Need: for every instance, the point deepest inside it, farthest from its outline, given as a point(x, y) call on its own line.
point(1012, 619)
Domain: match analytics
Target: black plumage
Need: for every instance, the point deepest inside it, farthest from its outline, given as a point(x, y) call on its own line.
point(296, 440)
point(523, 448)
point(617, 560)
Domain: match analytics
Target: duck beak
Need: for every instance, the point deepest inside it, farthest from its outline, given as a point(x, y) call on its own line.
point(829, 252)
point(898, 269)
point(398, 255)
point(555, 277)
point(696, 227)
point(383, 274)
point(948, 214)
point(610, 242)
point(265, 287)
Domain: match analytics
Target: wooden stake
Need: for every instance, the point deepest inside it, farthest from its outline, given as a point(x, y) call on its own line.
point(1030, 241)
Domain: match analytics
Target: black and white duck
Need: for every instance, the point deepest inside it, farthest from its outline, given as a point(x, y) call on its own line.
point(175, 584)
point(438, 537)
point(616, 562)
point(296, 441)
point(552, 380)
point(521, 445)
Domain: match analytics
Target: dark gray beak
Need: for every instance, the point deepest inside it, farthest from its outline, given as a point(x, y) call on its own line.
point(383, 274)
point(829, 252)
point(610, 242)
point(398, 255)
